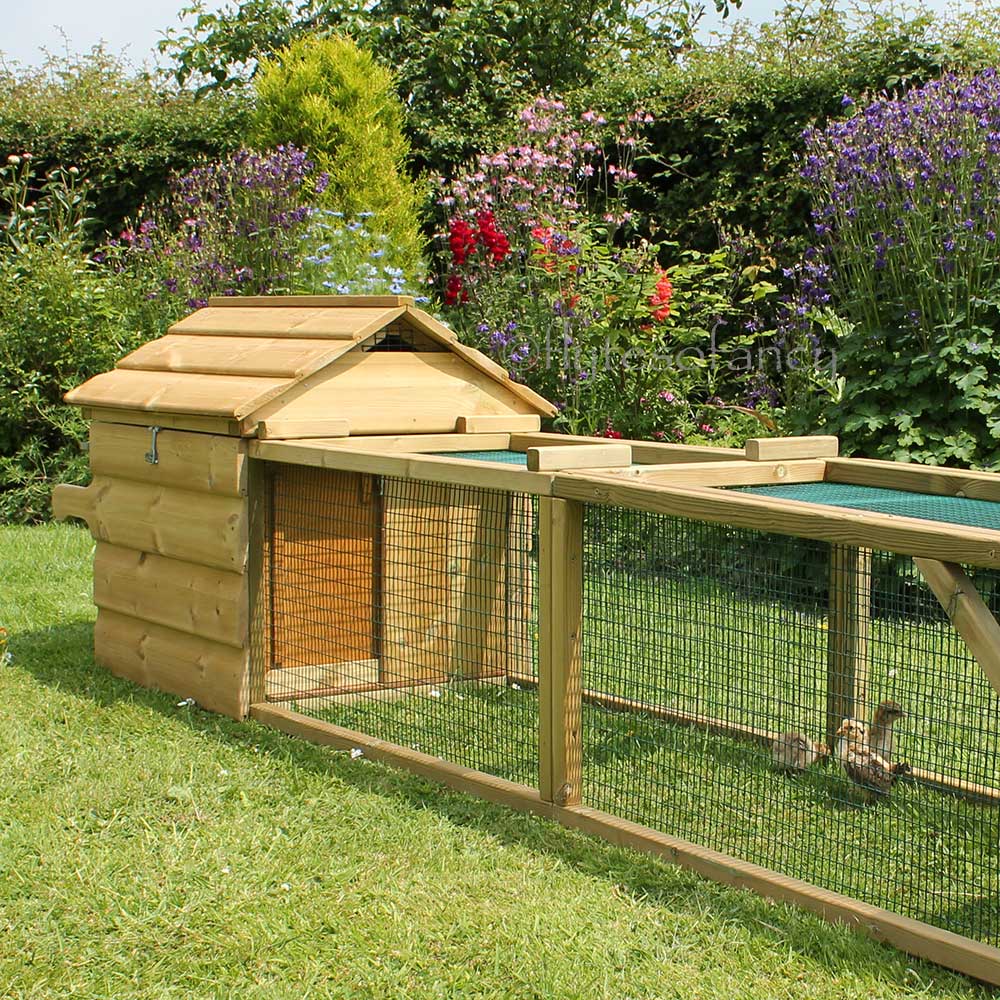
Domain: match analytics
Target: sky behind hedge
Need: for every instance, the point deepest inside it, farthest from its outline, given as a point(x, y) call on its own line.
point(136, 25)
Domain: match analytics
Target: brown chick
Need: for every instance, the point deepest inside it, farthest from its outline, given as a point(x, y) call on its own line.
point(880, 732)
point(850, 731)
point(868, 769)
point(795, 752)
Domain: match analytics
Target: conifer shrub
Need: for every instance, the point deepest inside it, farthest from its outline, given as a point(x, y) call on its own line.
point(330, 97)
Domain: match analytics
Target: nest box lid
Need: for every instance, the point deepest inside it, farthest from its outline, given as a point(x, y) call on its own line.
point(240, 359)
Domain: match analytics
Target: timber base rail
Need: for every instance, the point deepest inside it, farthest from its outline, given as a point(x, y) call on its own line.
point(960, 953)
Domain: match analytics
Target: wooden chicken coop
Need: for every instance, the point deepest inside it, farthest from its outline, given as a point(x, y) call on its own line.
point(330, 515)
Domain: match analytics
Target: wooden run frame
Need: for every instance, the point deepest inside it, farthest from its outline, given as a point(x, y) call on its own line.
point(674, 486)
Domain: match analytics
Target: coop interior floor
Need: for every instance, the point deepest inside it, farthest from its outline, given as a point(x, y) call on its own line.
point(925, 853)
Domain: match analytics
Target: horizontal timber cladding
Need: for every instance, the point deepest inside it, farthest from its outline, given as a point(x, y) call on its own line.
point(206, 463)
point(215, 675)
point(211, 603)
point(200, 528)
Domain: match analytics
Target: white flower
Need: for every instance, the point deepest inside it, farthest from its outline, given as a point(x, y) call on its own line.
point(226, 870)
point(434, 693)
point(186, 703)
point(356, 752)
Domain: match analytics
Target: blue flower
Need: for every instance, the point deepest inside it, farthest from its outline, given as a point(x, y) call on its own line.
point(846, 102)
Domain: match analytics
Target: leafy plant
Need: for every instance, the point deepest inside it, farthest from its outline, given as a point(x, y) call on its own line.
point(233, 227)
point(329, 97)
point(574, 306)
point(907, 215)
point(126, 131)
point(62, 319)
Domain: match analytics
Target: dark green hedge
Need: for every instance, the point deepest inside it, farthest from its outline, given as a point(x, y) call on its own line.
point(125, 131)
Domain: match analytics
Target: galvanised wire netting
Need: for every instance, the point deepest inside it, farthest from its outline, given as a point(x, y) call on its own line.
point(702, 644)
point(404, 610)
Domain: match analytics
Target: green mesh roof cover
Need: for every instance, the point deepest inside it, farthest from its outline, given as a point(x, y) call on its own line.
point(502, 457)
point(951, 510)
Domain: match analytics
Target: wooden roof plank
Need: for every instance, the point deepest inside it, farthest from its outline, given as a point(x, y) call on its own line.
point(174, 392)
point(262, 357)
point(314, 322)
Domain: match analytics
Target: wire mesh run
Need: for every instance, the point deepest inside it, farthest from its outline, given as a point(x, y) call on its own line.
point(403, 610)
point(705, 648)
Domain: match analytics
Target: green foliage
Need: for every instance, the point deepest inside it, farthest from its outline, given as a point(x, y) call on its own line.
point(62, 319)
point(729, 115)
point(331, 98)
point(125, 131)
point(463, 67)
point(580, 309)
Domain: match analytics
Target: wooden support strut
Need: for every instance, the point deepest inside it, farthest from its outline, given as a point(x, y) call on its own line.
point(847, 638)
point(560, 619)
point(967, 611)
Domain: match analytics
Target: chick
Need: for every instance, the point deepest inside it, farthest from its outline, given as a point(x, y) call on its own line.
point(880, 733)
point(795, 752)
point(850, 731)
point(867, 768)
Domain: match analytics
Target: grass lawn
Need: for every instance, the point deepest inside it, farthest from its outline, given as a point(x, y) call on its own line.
point(153, 850)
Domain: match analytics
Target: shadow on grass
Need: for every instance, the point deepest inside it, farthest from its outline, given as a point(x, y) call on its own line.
point(60, 657)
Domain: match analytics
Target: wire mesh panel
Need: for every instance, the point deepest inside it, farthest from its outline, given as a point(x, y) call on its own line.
point(405, 611)
point(718, 661)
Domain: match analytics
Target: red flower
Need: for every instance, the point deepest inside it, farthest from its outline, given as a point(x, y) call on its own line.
point(659, 301)
point(462, 240)
point(492, 237)
point(455, 291)
point(609, 431)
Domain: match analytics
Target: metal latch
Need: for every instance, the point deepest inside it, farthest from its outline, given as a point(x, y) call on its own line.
point(153, 456)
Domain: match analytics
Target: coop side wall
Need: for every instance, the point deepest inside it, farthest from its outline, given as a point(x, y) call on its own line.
point(170, 565)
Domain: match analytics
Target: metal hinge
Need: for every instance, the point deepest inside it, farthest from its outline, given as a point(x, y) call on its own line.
point(153, 456)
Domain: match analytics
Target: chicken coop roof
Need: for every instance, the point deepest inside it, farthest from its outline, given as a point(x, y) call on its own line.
point(237, 355)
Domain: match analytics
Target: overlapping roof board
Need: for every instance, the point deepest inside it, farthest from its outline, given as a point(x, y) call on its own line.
point(236, 356)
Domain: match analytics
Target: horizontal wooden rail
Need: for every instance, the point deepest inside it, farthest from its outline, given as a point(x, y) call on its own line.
point(944, 947)
point(863, 529)
point(914, 478)
point(425, 468)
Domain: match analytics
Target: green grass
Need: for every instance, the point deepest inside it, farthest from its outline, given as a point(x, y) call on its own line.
point(150, 850)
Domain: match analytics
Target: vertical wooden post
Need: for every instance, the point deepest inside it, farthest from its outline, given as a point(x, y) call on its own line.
point(560, 614)
point(847, 650)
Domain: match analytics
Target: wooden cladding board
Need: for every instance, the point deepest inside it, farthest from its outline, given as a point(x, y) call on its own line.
point(443, 583)
point(211, 603)
point(203, 463)
point(385, 393)
point(322, 567)
point(216, 676)
point(200, 528)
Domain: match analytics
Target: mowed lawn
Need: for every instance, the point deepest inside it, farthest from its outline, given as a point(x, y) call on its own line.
point(149, 849)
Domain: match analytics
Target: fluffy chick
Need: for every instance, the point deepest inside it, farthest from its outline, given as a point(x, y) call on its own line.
point(796, 752)
point(880, 733)
point(850, 731)
point(864, 766)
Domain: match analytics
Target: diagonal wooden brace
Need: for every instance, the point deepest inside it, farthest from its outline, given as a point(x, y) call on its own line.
point(967, 611)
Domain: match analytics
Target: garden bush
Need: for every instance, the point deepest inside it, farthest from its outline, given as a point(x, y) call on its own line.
point(578, 307)
point(331, 98)
point(729, 115)
point(905, 273)
point(62, 319)
point(125, 131)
